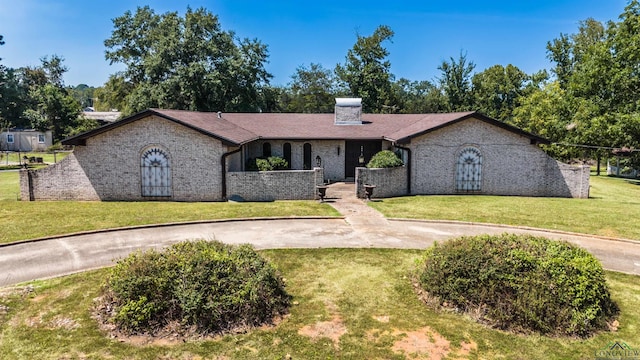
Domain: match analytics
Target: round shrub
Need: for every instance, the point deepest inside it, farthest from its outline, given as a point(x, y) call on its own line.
point(385, 159)
point(520, 283)
point(203, 285)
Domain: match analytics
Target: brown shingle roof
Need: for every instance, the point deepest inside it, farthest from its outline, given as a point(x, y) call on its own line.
point(241, 128)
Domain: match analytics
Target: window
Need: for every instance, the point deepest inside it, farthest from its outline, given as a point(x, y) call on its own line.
point(40, 139)
point(306, 156)
point(156, 173)
point(469, 170)
point(266, 150)
point(9, 138)
point(286, 151)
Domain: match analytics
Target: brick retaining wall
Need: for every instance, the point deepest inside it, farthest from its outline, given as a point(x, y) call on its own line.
point(274, 185)
point(389, 182)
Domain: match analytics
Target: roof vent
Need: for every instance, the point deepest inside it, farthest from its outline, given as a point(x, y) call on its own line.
point(219, 114)
point(348, 111)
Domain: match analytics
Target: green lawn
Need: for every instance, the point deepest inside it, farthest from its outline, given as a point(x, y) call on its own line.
point(360, 306)
point(20, 220)
point(46, 157)
point(613, 209)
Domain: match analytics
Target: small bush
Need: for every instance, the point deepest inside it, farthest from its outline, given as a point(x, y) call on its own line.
point(520, 283)
point(269, 164)
point(385, 159)
point(209, 286)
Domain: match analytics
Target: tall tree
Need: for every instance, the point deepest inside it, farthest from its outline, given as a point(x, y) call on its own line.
point(456, 82)
point(498, 89)
point(186, 62)
point(416, 97)
point(366, 72)
point(312, 90)
point(51, 106)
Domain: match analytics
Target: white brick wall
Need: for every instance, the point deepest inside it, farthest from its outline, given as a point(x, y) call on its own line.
point(389, 182)
point(274, 185)
point(108, 168)
point(510, 164)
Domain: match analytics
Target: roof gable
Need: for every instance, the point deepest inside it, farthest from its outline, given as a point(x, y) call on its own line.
point(203, 122)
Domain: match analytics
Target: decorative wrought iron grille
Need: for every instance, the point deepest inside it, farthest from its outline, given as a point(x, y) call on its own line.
point(156, 173)
point(469, 170)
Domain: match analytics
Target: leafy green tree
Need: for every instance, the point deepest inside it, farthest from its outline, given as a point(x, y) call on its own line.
point(366, 72)
point(113, 94)
point(186, 62)
point(419, 97)
point(498, 89)
point(312, 90)
point(456, 82)
point(13, 98)
point(83, 94)
point(51, 105)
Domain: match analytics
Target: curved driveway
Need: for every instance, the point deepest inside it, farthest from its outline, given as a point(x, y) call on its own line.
point(361, 227)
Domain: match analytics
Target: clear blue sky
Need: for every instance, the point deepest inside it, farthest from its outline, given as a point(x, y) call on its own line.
point(301, 32)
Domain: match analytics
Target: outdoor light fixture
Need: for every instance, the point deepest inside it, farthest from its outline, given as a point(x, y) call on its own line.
point(361, 157)
point(318, 161)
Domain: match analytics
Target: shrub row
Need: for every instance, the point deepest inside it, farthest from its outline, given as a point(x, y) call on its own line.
point(520, 283)
point(207, 285)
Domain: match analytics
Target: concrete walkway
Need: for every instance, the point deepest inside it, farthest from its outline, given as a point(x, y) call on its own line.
point(361, 227)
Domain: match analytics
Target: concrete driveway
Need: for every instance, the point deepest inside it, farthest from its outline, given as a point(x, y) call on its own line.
point(361, 227)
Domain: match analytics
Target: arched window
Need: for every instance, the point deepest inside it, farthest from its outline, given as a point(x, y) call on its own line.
point(266, 150)
point(155, 172)
point(469, 170)
point(286, 152)
point(306, 156)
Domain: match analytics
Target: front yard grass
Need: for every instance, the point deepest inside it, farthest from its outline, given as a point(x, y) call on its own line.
point(21, 220)
point(360, 306)
point(613, 209)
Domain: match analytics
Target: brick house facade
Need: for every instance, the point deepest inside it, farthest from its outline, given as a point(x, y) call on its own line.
point(193, 156)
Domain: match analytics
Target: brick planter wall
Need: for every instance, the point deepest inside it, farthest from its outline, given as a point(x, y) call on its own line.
point(389, 182)
point(274, 185)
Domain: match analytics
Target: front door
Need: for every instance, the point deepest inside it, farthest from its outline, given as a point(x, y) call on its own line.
point(354, 150)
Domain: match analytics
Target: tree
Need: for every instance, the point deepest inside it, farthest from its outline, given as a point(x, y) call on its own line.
point(367, 74)
point(456, 82)
point(419, 97)
point(113, 94)
point(50, 106)
point(569, 50)
point(498, 89)
point(312, 90)
point(186, 62)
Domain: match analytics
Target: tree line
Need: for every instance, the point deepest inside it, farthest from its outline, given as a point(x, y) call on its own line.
point(590, 96)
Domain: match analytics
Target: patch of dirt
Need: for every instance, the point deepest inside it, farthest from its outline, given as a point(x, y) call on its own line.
point(426, 343)
point(382, 319)
point(420, 343)
point(61, 322)
point(332, 329)
point(467, 347)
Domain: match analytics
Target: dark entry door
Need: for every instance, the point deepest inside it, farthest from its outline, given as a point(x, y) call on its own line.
point(353, 151)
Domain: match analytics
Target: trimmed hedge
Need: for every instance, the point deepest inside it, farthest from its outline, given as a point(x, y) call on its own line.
point(385, 159)
point(205, 285)
point(520, 283)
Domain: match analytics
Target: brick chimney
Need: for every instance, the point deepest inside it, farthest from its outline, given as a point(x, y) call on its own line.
point(348, 111)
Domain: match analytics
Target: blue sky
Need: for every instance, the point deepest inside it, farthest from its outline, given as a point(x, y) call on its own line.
point(299, 33)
